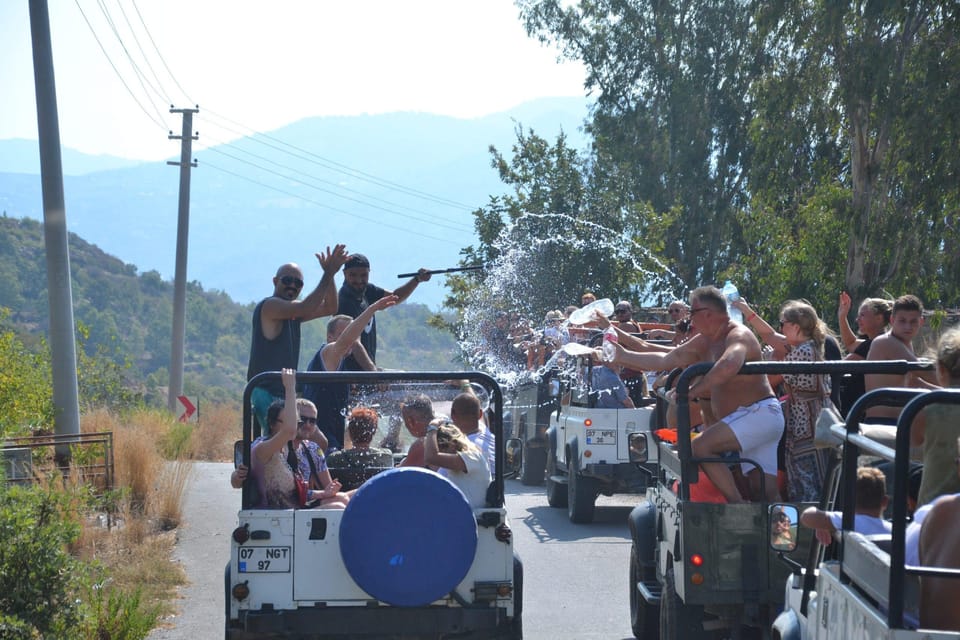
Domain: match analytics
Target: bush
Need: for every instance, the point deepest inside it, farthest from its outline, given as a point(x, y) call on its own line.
point(39, 579)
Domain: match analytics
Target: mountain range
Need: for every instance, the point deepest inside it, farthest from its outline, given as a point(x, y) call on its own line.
point(397, 187)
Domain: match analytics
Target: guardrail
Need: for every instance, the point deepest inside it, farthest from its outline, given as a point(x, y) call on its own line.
point(28, 458)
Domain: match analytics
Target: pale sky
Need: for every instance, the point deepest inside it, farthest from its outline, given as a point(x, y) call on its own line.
point(266, 64)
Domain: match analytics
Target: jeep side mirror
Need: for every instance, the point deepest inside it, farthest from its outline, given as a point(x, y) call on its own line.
point(514, 461)
point(637, 446)
point(237, 453)
point(784, 520)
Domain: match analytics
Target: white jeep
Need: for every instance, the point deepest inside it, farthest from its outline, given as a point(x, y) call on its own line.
point(407, 558)
point(594, 451)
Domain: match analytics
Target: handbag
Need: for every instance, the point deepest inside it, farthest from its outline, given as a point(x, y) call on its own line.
point(823, 437)
point(303, 488)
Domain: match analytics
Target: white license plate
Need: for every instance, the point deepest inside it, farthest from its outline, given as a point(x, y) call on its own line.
point(601, 436)
point(264, 559)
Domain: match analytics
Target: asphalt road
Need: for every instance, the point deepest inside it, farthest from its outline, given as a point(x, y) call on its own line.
point(575, 576)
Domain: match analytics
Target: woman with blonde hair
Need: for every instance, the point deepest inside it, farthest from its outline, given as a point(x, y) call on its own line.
point(463, 464)
point(802, 335)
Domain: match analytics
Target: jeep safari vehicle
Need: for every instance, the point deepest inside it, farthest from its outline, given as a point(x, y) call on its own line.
point(595, 451)
point(866, 590)
point(407, 558)
point(704, 569)
point(527, 417)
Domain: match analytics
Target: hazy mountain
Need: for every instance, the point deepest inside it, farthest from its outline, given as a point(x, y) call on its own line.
point(397, 187)
point(23, 156)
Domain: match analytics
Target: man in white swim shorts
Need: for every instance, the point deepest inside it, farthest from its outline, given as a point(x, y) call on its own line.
point(753, 420)
point(758, 429)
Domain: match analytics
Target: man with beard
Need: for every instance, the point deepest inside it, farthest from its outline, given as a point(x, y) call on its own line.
point(275, 341)
point(357, 294)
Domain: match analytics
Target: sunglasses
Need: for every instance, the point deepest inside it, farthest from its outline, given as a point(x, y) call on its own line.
point(291, 280)
point(694, 312)
point(304, 421)
point(676, 310)
point(621, 310)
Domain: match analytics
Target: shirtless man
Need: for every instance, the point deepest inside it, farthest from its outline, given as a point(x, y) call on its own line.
point(940, 547)
point(752, 421)
point(896, 344)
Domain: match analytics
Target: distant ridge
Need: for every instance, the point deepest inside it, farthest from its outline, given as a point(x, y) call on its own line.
point(254, 207)
point(23, 156)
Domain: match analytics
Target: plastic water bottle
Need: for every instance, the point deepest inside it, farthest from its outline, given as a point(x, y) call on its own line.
point(731, 294)
point(608, 351)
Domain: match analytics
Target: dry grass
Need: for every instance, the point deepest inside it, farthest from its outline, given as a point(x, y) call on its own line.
point(214, 435)
point(137, 551)
point(166, 501)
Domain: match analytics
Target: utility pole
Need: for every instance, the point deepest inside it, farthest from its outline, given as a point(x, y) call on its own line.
point(63, 349)
point(180, 276)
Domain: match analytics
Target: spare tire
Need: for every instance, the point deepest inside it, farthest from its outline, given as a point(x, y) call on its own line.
point(408, 537)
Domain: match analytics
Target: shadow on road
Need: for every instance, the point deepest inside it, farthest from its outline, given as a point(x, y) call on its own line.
point(552, 525)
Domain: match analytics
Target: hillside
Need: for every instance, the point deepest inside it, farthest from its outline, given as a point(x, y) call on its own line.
point(398, 187)
point(130, 314)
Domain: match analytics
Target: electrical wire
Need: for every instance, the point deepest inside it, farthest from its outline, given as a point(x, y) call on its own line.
point(164, 93)
point(337, 166)
point(144, 84)
point(160, 55)
point(450, 224)
point(327, 206)
point(158, 122)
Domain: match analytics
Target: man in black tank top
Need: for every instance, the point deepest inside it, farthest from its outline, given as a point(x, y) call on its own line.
point(357, 293)
point(275, 336)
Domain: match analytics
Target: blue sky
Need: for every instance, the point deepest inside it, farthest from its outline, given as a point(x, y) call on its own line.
point(261, 65)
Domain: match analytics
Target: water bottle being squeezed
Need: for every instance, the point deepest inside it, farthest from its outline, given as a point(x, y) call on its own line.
point(608, 350)
point(731, 294)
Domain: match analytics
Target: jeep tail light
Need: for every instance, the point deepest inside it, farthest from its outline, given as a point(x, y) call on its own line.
point(241, 591)
point(241, 534)
point(696, 560)
point(696, 578)
point(588, 422)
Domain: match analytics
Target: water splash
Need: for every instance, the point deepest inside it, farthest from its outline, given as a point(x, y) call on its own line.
point(536, 253)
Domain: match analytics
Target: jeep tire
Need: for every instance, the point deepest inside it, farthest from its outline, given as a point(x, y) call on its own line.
point(581, 497)
point(678, 620)
point(644, 617)
point(534, 465)
point(556, 492)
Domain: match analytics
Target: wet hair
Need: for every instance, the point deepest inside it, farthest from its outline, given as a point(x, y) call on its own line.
point(362, 425)
point(709, 296)
point(879, 306)
point(420, 405)
point(907, 303)
point(802, 314)
point(948, 354)
point(356, 260)
point(781, 516)
point(871, 488)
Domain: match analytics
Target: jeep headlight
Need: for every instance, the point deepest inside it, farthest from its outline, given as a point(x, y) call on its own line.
point(637, 446)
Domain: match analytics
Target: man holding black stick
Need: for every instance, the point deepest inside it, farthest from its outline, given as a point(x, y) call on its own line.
point(357, 294)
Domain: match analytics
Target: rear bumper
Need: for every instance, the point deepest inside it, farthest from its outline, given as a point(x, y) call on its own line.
point(366, 622)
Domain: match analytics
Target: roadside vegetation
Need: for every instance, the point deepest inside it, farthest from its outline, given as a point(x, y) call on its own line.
point(82, 561)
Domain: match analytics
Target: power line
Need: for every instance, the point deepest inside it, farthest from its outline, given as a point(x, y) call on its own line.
point(143, 54)
point(327, 206)
point(136, 70)
point(337, 166)
point(160, 55)
point(442, 222)
point(159, 122)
